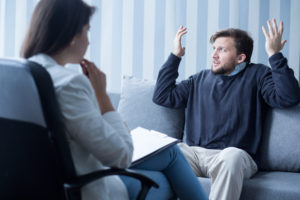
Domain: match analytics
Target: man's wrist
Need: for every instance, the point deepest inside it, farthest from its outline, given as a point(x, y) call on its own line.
point(178, 56)
point(270, 54)
point(275, 56)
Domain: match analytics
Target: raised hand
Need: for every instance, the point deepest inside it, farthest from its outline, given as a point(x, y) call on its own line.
point(179, 50)
point(273, 38)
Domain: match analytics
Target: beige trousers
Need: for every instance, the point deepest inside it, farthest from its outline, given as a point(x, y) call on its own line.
point(227, 169)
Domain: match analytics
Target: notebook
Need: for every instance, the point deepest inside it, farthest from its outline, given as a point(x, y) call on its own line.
point(147, 143)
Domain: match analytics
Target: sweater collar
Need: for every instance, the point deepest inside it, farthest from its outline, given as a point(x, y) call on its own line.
point(238, 69)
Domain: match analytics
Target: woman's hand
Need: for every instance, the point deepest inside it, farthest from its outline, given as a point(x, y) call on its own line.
point(95, 75)
point(98, 81)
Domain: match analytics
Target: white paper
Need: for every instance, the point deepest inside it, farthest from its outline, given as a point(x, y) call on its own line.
point(147, 141)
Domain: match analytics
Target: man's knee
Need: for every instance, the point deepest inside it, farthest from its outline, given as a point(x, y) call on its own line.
point(232, 159)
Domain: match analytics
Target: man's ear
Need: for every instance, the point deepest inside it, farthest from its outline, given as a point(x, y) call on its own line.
point(241, 58)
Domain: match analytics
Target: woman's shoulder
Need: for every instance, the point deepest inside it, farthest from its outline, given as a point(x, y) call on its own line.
point(71, 81)
point(69, 75)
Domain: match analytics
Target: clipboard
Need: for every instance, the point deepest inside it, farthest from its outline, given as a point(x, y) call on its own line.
point(147, 143)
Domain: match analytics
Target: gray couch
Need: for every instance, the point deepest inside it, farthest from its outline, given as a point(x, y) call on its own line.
point(279, 153)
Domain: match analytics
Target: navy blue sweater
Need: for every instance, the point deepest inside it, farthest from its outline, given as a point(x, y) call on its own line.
point(228, 111)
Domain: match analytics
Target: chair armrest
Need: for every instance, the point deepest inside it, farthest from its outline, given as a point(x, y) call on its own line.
point(82, 180)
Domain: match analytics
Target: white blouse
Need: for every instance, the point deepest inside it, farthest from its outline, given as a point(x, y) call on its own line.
point(95, 140)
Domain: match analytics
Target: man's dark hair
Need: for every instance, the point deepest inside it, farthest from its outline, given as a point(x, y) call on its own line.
point(53, 25)
point(243, 42)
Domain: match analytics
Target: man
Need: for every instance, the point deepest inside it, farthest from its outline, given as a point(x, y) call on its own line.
point(226, 106)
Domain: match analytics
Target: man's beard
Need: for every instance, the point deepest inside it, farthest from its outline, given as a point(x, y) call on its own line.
point(224, 69)
point(220, 70)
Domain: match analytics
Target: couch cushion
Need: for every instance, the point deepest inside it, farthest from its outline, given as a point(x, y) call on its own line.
point(280, 149)
point(266, 186)
point(272, 186)
point(137, 109)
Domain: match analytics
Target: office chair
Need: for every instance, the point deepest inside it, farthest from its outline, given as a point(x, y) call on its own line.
point(35, 159)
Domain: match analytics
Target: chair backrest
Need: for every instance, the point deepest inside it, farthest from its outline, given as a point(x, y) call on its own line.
point(35, 156)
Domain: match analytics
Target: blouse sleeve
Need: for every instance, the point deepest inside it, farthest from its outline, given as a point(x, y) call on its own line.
point(105, 136)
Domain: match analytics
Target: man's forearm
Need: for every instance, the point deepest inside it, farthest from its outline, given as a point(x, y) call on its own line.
point(287, 86)
point(166, 80)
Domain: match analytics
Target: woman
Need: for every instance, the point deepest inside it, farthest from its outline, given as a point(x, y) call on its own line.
point(58, 34)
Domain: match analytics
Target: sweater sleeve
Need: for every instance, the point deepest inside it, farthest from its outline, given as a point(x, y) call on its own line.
point(279, 86)
point(167, 93)
point(104, 136)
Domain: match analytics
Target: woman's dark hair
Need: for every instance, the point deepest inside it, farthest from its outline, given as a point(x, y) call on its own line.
point(54, 24)
point(243, 42)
